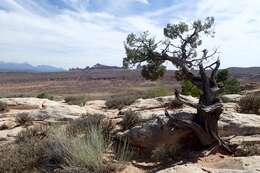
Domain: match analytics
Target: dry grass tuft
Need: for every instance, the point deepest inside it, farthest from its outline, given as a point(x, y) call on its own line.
point(3, 107)
point(23, 118)
point(130, 119)
point(249, 104)
point(76, 100)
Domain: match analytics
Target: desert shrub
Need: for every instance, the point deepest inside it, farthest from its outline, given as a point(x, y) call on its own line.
point(175, 104)
point(45, 95)
point(76, 100)
point(232, 86)
point(3, 107)
point(46, 150)
point(24, 156)
point(23, 118)
point(32, 133)
point(222, 75)
point(83, 124)
point(249, 104)
point(228, 85)
point(123, 151)
point(163, 153)
point(82, 151)
point(130, 119)
point(118, 102)
point(156, 92)
point(188, 88)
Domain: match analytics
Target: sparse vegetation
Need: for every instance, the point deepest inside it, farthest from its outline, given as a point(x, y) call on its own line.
point(249, 104)
point(76, 100)
point(23, 118)
point(156, 92)
point(232, 86)
point(32, 133)
point(222, 75)
point(130, 119)
point(188, 88)
point(43, 150)
point(118, 102)
point(83, 151)
point(24, 156)
point(45, 95)
point(228, 84)
point(83, 124)
point(3, 107)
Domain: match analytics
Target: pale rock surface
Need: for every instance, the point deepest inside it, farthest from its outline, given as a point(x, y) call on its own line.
point(231, 98)
point(148, 108)
point(52, 109)
point(99, 107)
point(231, 107)
point(233, 123)
point(40, 110)
point(247, 145)
point(225, 165)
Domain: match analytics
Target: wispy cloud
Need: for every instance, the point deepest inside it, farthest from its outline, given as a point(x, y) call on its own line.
point(71, 33)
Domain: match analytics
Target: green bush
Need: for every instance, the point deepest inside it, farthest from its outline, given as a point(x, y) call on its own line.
point(130, 119)
point(222, 75)
point(76, 100)
point(46, 150)
point(188, 88)
point(232, 86)
point(249, 104)
point(118, 102)
point(229, 86)
point(45, 95)
point(3, 107)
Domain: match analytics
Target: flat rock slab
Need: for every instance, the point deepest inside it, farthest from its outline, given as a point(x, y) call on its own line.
point(226, 165)
point(246, 145)
point(232, 123)
point(52, 108)
point(231, 98)
point(99, 107)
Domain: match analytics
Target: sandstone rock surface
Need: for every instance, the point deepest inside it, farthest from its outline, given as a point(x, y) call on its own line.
point(231, 98)
point(225, 165)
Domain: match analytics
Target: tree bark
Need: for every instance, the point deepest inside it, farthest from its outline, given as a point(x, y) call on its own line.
point(205, 122)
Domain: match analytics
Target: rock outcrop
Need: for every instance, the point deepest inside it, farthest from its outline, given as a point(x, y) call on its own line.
point(242, 130)
point(148, 135)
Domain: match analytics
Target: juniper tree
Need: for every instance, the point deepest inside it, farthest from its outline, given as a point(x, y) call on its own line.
point(183, 48)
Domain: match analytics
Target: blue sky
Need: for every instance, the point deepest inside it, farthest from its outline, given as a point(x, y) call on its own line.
point(77, 33)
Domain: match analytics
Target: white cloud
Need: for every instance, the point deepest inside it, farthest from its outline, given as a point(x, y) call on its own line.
point(34, 33)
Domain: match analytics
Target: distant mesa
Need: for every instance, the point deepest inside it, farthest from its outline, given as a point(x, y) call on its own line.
point(96, 67)
point(25, 67)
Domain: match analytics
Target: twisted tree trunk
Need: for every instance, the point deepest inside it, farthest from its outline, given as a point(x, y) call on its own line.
point(205, 122)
